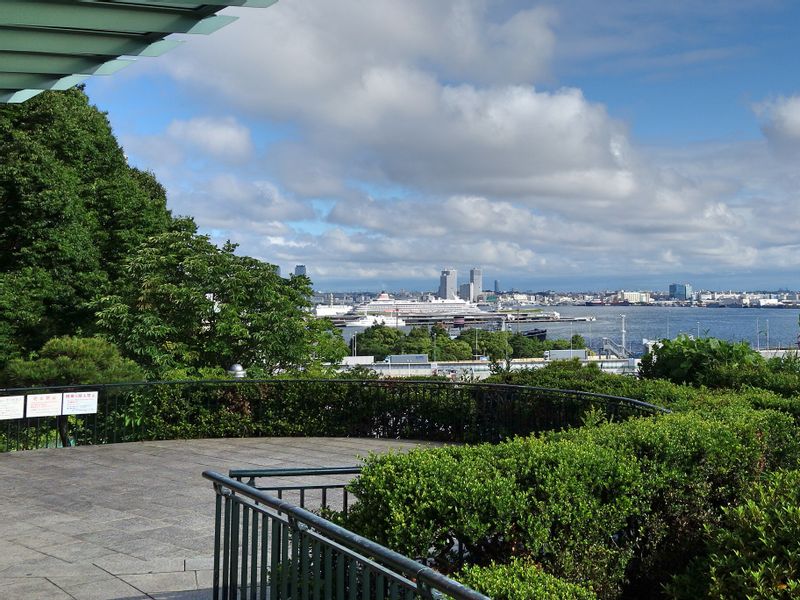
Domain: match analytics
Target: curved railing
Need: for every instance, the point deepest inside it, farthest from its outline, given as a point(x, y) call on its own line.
point(271, 548)
point(397, 409)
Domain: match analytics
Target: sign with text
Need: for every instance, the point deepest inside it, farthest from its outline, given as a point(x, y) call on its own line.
point(12, 407)
point(79, 403)
point(43, 405)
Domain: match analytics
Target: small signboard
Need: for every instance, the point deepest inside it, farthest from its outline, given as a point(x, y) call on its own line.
point(43, 405)
point(12, 407)
point(79, 403)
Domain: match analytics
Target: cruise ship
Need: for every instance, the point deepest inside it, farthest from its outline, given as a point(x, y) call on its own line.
point(384, 304)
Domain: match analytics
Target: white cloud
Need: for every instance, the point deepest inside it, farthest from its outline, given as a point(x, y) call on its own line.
point(224, 138)
point(431, 132)
point(781, 123)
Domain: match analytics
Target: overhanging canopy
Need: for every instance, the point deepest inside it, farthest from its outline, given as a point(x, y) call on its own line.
point(55, 44)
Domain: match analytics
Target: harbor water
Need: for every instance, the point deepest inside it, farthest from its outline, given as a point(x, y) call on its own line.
point(760, 327)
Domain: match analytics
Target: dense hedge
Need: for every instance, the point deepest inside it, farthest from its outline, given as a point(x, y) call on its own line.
point(758, 392)
point(433, 410)
point(573, 375)
point(619, 507)
point(755, 550)
point(521, 580)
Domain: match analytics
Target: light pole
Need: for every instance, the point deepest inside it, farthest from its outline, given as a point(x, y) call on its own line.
point(623, 332)
point(758, 336)
point(355, 343)
point(767, 334)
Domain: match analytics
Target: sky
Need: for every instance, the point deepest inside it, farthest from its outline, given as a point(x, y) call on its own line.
point(557, 145)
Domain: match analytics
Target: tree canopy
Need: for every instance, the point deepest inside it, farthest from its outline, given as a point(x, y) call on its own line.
point(72, 360)
point(71, 209)
point(184, 302)
point(88, 246)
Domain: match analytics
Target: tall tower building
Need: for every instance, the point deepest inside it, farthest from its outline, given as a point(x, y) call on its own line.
point(300, 270)
point(466, 291)
point(448, 284)
point(476, 279)
point(496, 286)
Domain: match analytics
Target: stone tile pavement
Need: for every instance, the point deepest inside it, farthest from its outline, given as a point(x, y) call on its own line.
point(132, 521)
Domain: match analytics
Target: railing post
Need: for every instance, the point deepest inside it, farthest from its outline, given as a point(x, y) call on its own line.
point(217, 536)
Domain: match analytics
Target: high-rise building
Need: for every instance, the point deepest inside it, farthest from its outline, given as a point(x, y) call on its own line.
point(300, 270)
point(496, 286)
point(448, 283)
point(466, 291)
point(476, 279)
point(681, 291)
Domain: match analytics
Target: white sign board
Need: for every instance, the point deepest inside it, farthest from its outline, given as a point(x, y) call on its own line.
point(12, 407)
point(43, 405)
point(79, 403)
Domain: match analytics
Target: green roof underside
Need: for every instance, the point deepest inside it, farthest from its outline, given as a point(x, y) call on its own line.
point(55, 44)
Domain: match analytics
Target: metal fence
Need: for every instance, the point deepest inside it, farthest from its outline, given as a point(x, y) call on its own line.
point(422, 410)
point(265, 547)
point(328, 492)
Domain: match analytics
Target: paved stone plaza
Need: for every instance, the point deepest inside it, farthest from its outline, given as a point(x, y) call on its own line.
point(132, 521)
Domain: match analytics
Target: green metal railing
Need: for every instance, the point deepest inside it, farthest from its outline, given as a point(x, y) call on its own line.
point(396, 409)
point(321, 495)
point(265, 547)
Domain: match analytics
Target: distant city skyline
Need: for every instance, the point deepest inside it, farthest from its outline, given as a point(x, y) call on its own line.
point(572, 285)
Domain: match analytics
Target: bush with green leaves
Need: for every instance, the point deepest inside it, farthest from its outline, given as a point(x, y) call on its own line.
point(563, 504)
point(698, 361)
point(754, 551)
point(719, 364)
point(72, 360)
point(696, 463)
point(521, 580)
point(620, 506)
point(574, 375)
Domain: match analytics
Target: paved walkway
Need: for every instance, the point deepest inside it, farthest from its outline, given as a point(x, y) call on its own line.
point(131, 521)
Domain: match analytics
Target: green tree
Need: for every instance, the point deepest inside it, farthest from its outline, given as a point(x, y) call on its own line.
point(73, 360)
point(378, 341)
point(496, 345)
point(701, 361)
point(70, 210)
point(185, 302)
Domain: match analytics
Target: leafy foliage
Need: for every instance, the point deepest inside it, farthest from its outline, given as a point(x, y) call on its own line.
point(380, 341)
point(754, 552)
point(697, 361)
point(719, 364)
point(620, 506)
point(71, 360)
point(521, 580)
point(71, 209)
point(184, 302)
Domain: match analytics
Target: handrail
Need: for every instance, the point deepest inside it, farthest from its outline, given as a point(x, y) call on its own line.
point(242, 473)
point(375, 382)
point(411, 409)
point(408, 567)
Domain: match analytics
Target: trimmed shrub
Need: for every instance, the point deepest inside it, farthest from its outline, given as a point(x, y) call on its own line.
point(755, 550)
point(521, 580)
point(620, 507)
point(572, 375)
point(695, 465)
